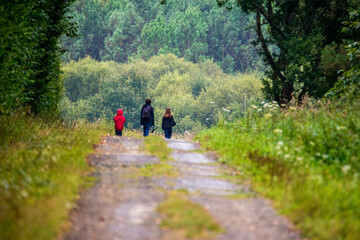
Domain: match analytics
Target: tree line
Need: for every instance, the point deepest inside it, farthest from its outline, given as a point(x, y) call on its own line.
point(196, 30)
point(308, 47)
point(197, 93)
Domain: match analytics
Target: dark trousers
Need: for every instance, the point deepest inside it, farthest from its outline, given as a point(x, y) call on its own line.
point(168, 132)
point(147, 126)
point(118, 132)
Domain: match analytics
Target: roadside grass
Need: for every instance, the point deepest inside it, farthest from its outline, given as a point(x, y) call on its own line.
point(306, 159)
point(189, 220)
point(42, 169)
point(134, 133)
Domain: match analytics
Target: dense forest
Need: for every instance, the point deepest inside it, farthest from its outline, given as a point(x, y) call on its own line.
point(196, 30)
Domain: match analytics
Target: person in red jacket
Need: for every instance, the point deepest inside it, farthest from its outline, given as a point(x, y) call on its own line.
point(119, 120)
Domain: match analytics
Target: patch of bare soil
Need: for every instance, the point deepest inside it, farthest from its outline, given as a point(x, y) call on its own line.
point(120, 207)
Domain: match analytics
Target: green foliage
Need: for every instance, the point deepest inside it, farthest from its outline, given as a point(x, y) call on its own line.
point(189, 219)
point(96, 90)
point(195, 30)
point(303, 33)
point(350, 80)
point(42, 167)
point(306, 159)
point(30, 54)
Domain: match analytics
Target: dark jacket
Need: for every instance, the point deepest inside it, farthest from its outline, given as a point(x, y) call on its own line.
point(151, 115)
point(119, 120)
point(168, 122)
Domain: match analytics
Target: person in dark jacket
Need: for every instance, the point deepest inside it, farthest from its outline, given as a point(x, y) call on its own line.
point(119, 120)
point(168, 122)
point(147, 117)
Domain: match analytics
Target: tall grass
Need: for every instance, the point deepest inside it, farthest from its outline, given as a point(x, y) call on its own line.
point(42, 168)
point(306, 159)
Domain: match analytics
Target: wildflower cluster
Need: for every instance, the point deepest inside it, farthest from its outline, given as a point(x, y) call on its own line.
point(266, 109)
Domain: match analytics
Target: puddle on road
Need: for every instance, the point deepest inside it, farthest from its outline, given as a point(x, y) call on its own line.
point(115, 160)
point(191, 158)
point(207, 186)
point(197, 169)
point(135, 159)
point(182, 145)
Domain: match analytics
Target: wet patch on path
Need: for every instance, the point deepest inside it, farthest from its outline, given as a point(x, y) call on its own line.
point(124, 208)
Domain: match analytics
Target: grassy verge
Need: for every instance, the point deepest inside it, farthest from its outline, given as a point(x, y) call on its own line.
point(42, 168)
point(188, 219)
point(306, 159)
point(158, 147)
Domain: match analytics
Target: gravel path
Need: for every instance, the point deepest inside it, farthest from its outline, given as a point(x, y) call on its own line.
point(120, 207)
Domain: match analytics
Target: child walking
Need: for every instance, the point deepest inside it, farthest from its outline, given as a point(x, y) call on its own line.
point(119, 120)
point(168, 122)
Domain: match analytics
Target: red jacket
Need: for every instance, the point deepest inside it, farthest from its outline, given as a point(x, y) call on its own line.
point(119, 120)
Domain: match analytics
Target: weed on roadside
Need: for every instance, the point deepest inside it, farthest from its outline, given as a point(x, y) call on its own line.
point(42, 167)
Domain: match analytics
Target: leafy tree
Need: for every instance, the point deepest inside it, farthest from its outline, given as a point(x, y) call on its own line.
point(300, 30)
point(30, 53)
point(349, 82)
point(190, 34)
point(124, 29)
point(156, 37)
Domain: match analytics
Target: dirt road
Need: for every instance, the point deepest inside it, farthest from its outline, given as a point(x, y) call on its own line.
point(122, 205)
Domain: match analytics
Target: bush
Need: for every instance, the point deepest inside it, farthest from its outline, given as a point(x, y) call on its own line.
point(97, 89)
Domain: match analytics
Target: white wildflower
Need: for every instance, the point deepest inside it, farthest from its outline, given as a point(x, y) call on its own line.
point(280, 143)
point(226, 110)
point(268, 115)
point(212, 103)
point(346, 168)
point(274, 102)
point(262, 102)
point(277, 131)
point(287, 156)
point(325, 156)
point(207, 119)
point(254, 107)
point(259, 110)
point(266, 105)
point(339, 128)
point(300, 159)
point(312, 143)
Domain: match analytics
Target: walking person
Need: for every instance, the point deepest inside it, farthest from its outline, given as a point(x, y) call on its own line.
point(147, 117)
point(168, 122)
point(119, 120)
